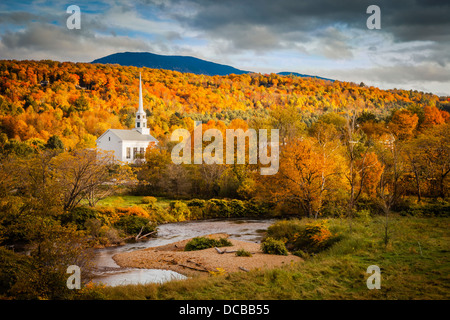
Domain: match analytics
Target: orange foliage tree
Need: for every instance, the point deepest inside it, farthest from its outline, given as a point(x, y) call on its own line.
point(403, 124)
point(305, 176)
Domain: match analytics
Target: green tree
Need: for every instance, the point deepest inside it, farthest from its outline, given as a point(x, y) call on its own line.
point(54, 143)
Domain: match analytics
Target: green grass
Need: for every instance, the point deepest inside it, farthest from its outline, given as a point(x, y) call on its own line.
point(408, 271)
point(129, 201)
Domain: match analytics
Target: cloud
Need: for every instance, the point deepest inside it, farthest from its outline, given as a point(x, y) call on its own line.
point(401, 74)
point(42, 34)
point(289, 24)
point(284, 15)
point(427, 77)
point(18, 17)
point(47, 41)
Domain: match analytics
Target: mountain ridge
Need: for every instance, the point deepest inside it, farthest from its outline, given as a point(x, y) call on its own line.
point(178, 63)
point(175, 63)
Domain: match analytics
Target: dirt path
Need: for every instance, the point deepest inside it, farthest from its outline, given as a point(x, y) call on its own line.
point(173, 257)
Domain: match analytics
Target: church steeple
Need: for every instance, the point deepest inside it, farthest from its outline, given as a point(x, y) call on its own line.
point(141, 121)
point(141, 104)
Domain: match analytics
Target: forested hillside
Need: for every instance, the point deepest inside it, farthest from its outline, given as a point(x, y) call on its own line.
point(79, 101)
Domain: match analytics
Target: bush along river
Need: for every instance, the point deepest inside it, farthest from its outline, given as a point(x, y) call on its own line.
point(109, 273)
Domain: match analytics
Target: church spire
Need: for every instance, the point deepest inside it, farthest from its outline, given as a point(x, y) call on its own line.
point(141, 104)
point(141, 121)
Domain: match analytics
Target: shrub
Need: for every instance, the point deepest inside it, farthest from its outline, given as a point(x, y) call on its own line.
point(315, 237)
point(148, 200)
point(196, 203)
point(108, 215)
point(243, 253)
point(12, 267)
point(258, 208)
point(222, 242)
point(237, 208)
point(310, 237)
point(132, 211)
point(112, 235)
point(133, 224)
point(158, 214)
point(92, 291)
point(197, 207)
point(223, 208)
point(363, 215)
point(334, 209)
point(93, 227)
point(218, 208)
point(226, 208)
point(439, 208)
point(200, 243)
point(79, 216)
point(302, 254)
point(179, 210)
point(273, 246)
point(285, 229)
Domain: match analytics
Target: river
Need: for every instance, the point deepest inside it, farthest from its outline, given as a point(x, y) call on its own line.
point(111, 274)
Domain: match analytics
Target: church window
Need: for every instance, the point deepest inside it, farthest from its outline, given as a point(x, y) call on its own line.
point(138, 124)
point(128, 152)
point(135, 150)
point(138, 116)
point(142, 151)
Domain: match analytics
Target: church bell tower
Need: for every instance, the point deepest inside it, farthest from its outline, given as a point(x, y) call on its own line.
point(141, 117)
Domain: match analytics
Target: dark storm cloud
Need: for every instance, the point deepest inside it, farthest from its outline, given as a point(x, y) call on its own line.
point(281, 14)
point(406, 20)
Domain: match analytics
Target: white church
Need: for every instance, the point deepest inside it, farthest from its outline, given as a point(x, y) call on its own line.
point(129, 145)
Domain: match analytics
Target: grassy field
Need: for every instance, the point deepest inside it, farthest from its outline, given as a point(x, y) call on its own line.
point(128, 201)
point(414, 265)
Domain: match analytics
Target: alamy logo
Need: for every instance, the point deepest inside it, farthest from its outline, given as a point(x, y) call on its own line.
point(74, 281)
point(258, 147)
point(74, 20)
point(374, 281)
point(374, 21)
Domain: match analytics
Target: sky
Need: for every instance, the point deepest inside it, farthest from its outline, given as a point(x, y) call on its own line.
point(327, 38)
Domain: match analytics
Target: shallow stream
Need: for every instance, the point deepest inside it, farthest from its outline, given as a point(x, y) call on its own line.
point(111, 274)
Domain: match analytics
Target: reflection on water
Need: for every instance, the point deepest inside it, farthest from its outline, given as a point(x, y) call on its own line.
point(247, 230)
point(138, 276)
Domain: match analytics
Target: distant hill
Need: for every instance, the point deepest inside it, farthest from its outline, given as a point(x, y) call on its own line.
point(179, 63)
point(174, 63)
point(286, 73)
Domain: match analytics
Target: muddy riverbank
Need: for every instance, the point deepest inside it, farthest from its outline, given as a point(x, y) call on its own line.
point(203, 262)
point(110, 273)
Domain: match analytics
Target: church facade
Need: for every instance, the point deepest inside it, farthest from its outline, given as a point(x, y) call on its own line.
point(129, 145)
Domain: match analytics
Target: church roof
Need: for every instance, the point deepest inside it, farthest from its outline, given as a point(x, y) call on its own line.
point(133, 135)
